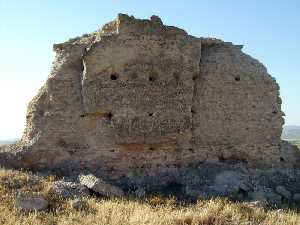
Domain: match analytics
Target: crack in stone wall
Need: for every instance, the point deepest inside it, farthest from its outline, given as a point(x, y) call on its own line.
point(195, 77)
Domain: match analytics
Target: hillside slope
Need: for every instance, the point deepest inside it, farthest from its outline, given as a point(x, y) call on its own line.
point(291, 132)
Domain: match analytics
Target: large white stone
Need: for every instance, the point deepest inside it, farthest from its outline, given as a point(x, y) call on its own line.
point(100, 186)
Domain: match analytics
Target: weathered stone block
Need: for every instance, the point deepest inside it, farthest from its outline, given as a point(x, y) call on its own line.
point(31, 202)
point(100, 186)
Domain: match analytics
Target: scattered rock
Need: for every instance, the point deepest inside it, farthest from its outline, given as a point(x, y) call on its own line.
point(261, 203)
point(193, 192)
point(100, 186)
point(140, 193)
point(266, 195)
point(273, 198)
point(230, 182)
point(31, 202)
point(283, 192)
point(78, 204)
point(69, 190)
point(258, 196)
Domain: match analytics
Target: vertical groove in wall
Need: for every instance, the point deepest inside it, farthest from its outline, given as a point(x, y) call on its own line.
point(194, 98)
point(85, 51)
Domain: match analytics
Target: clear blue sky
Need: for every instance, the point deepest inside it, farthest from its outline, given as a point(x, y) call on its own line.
point(269, 29)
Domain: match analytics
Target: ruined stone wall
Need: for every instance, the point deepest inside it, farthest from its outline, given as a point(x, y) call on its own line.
point(236, 107)
point(138, 98)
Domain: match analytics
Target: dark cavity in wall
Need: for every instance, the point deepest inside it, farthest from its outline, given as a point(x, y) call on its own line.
point(153, 77)
point(114, 76)
point(109, 115)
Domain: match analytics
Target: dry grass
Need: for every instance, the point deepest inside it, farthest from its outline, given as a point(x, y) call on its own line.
point(152, 211)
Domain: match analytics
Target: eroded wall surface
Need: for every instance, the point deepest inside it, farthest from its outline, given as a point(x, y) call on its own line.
point(237, 108)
